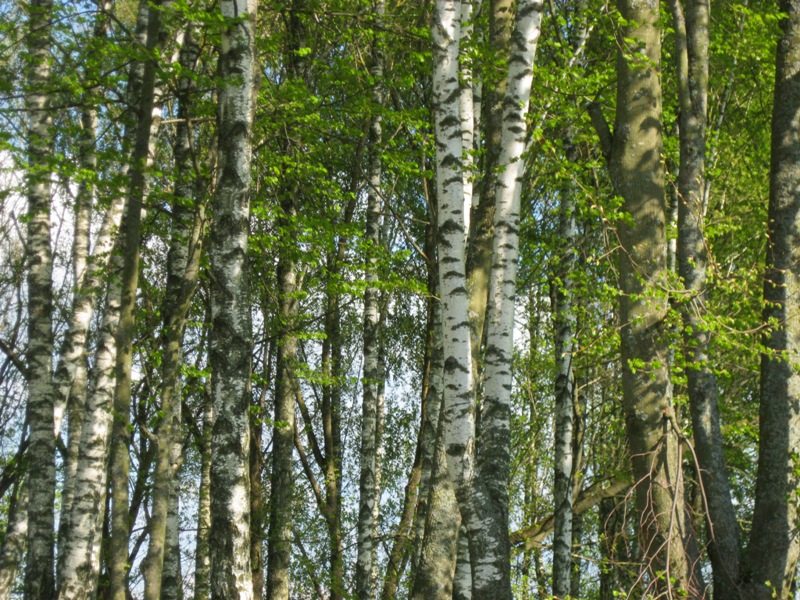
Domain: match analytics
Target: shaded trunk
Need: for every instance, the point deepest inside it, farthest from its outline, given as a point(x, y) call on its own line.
point(202, 561)
point(282, 485)
point(15, 539)
point(148, 118)
point(435, 570)
point(564, 324)
point(183, 267)
point(258, 508)
point(692, 42)
point(774, 547)
point(39, 574)
point(231, 337)
point(486, 514)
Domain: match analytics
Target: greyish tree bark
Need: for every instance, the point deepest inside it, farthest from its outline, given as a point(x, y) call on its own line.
point(15, 539)
point(39, 573)
point(637, 172)
point(437, 519)
point(692, 60)
point(231, 337)
point(480, 475)
point(774, 547)
point(202, 562)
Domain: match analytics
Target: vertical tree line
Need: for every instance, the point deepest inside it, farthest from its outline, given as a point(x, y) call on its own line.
point(474, 299)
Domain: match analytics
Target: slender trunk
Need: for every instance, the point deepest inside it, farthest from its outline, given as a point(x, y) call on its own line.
point(231, 340)
point(258, 508)
point(637, 172)
point(369, 485)
point(774, 547)
point(71, 379)
point(15, 538)
point(202, 563)
point(438, 518)
point(183, 267)
point(148, 117)
point(486, 514)
point(282, 487)
point(462, 578)
point(72, 370)
point(481, 222)
point(458, 409)
point(79, 562)
point(332, 463)
point(692, 42)
point(564, 324)
point(398, 555)
point(171, 574)
point(39, 575)
point(435, 570)
point(431, 395)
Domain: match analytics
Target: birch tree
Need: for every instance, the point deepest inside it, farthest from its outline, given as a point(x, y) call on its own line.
point(39, 573)
point(480, 474)
point(369, 487)
point(231, 340)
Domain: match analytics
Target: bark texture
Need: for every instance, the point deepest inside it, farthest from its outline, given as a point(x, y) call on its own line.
point(369, 485)
point(231, 341)
point(486, 520)
point(691, 23)
point(637, 172)
point(39, 573)
point(15, 539)
point(564, 323)
point(774, 547)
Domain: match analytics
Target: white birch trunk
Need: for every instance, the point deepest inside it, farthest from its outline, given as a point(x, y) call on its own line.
point(368, 482)
point(487, 522)
point(231, 341)
point(39, 579)
point(79, 560)
point(85, 486)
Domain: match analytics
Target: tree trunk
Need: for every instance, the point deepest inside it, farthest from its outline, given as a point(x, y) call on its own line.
point(15, 537)
point(564, 324)
point(183, 267)
point(39, 574)
point(435, 570)
point(637, 172)
point(462, 578)
point(172, 574)
point(202, 562)
point(148, 119)
point(231, 340)
point(772, 553)
point(369, 485)
point(692, 41)
point(486, 515)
